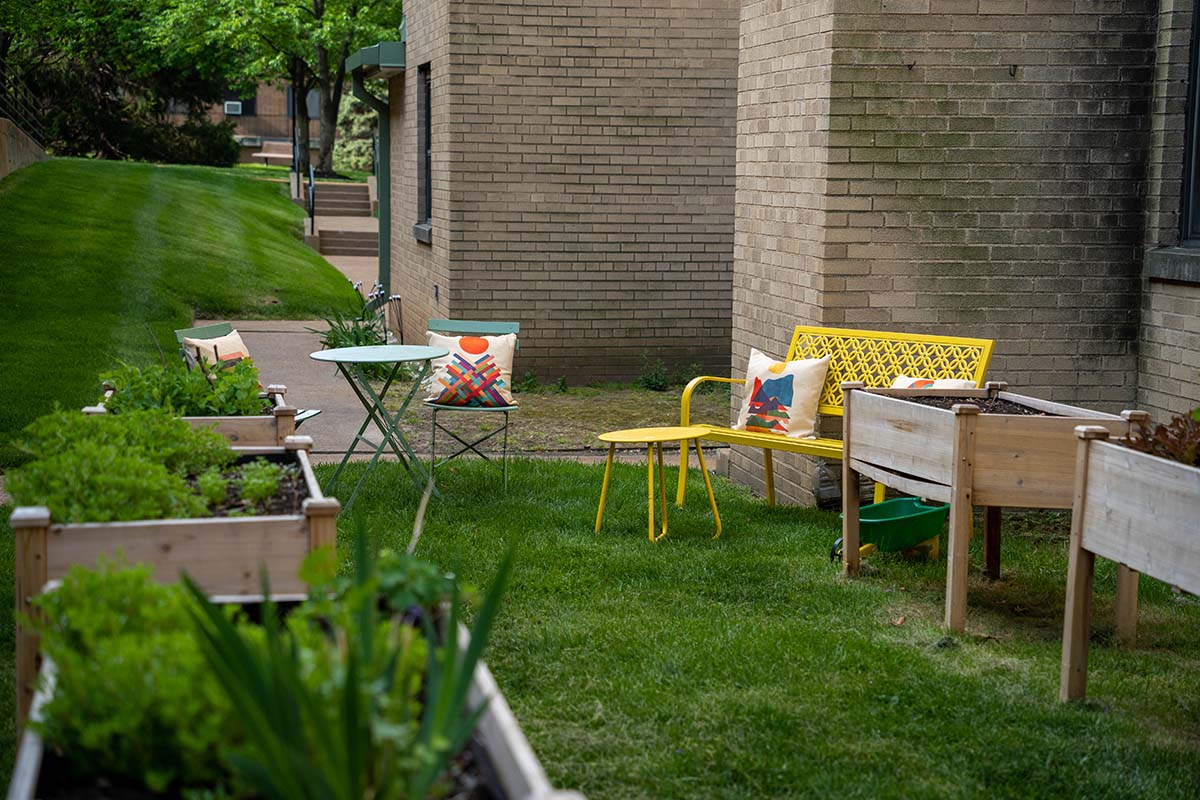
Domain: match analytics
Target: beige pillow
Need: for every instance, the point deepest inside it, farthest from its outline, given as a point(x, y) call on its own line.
point(478, 371)
point(228, 349)
point(782, 396)
point(905, 382)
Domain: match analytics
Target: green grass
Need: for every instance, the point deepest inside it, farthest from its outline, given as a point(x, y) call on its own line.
point(748, 667)
point(101, 259)
point(280, 173)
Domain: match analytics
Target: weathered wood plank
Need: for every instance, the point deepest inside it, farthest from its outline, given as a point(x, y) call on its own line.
point(1141, 511)
point(961, 516)
point(222, 555)
point(903, 437)
point(903, 483)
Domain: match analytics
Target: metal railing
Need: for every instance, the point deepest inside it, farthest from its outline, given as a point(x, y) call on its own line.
point(312, 201)
point(20, 105)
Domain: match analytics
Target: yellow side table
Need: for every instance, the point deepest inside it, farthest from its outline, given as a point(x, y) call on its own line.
point(654, 437)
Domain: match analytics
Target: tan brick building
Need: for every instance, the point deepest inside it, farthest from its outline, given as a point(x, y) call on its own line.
point(1013, 169)
point(581, 169)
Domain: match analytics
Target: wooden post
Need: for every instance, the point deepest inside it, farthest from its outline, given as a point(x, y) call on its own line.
point(322, 514)
point(1127, 604)
point(1077, 615)
point(961, 511)
point(991, 541)
point(851, 487)
point(31, 526)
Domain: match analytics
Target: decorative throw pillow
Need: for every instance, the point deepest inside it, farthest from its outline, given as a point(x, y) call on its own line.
point(782, 396)
point(905, 382)
point(224, 351)
point(478, 371)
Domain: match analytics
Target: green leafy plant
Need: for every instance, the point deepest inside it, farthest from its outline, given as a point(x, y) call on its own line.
point(653, 375)
point(1178, 440)
point(528, 382)
point(359, 731)
point(133, 697)
point(187, 393)
point(360, 328)
point(259, 480)
point(213, 486)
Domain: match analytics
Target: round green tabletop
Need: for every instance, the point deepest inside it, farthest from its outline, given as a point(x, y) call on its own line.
point(380, 354)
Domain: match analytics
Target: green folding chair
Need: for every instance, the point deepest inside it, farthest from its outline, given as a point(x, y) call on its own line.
point(216, 331)
point(462, 327)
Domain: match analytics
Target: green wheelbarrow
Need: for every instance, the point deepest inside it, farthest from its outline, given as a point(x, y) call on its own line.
point(895, 526)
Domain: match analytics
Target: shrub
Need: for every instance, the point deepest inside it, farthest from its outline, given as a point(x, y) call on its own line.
point(361, 328)
point(654, 374)
point(187, 393)
point(1178, 440)
point(133, 697)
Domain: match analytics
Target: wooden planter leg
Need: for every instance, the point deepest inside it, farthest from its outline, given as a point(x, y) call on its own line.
point(1127, 604)
point(991, 541)
point(31, 525)
point(1077, 615)
point(851, 487)
point(961, 512)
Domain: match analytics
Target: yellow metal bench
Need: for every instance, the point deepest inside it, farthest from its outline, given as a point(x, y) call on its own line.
point(876, 358)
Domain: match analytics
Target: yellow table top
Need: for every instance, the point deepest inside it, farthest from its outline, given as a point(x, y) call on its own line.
point(648, 435)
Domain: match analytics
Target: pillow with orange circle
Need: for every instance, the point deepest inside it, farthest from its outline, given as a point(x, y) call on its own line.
point(477, 373)
point(905, 382)
point(782, 396)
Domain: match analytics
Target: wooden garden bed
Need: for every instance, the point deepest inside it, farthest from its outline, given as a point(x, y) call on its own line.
point(224, 555)
point(966, 458)
point(1138, 510)
point(510, 769)
point(260, 430)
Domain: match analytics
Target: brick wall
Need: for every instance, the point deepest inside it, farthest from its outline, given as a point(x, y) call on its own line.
point(1169, 347)
point(589, 165)
point(421, 272)
point(983, 172)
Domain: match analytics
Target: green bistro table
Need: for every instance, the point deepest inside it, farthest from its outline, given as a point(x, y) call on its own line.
point(349, 361)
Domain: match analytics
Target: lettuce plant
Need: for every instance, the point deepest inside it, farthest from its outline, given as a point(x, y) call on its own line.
point(1178, 440)
point(234, 391)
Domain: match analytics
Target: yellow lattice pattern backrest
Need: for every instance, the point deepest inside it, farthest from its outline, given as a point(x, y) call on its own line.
point(877, 357)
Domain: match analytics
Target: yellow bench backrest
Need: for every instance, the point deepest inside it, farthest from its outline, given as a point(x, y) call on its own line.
point(877, 357)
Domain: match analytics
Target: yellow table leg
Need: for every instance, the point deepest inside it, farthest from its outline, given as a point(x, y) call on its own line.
point(682, 490)
point(707, 485)
point(604, 487)
point(662, 488)
point(880, 492)
point(650, 486)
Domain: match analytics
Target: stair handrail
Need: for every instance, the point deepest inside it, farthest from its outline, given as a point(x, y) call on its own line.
point(19, 104)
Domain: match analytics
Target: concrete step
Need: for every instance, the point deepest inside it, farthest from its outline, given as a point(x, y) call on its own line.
point(348, 250)
point(343, 209)
point(350, 237)
point(342, 189)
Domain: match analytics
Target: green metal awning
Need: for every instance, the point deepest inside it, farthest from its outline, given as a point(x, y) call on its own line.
point(381, 60)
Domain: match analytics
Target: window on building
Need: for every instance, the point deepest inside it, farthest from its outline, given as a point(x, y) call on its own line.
point(1190, 233)
point(423, 230)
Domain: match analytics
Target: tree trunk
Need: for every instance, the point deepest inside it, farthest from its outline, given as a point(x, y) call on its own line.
point(299, 79)
point(332, 80)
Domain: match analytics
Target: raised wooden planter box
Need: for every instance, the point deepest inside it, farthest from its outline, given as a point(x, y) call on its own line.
point(224, 555)
point(965, 458)
point(1138, 510)
point(262, 430)
point(509, 764)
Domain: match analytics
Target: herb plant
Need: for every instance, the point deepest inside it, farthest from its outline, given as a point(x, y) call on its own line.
point(213, 486)
point(188, 393)
point(1178, 440)
point(361, 328)
point(260, 480)
point(134, 697)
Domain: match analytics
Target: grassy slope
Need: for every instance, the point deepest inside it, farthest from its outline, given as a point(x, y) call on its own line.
point(91, 253)
point(749, 668)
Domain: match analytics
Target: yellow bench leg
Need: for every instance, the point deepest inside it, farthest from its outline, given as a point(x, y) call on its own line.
point(769, 469)
point(712, 501)
point(880, 492)
point(604, 486)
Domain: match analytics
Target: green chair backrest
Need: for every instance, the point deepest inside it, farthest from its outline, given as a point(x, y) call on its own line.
point(204, 332)
point(468, 326)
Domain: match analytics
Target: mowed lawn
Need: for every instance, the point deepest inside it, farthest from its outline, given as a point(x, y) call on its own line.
point(99, 261)
point(748, 667)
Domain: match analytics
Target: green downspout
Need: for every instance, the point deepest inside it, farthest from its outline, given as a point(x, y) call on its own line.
point(383, 177)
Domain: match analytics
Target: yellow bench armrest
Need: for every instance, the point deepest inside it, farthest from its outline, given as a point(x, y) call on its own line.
point(685, 402)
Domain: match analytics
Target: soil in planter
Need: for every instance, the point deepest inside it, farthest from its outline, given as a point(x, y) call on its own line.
point(287, 501)
point(986, 405)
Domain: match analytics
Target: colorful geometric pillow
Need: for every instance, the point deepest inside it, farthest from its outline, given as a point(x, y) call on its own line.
point(905, 382)
point(782, 396)
point(223, 351)
point(478, 371)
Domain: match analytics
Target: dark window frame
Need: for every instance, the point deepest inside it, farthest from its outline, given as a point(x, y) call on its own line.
point(423, 230)
point(1189, 216)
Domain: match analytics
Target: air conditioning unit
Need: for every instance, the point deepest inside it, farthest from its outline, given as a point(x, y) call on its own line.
point(233, 108)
